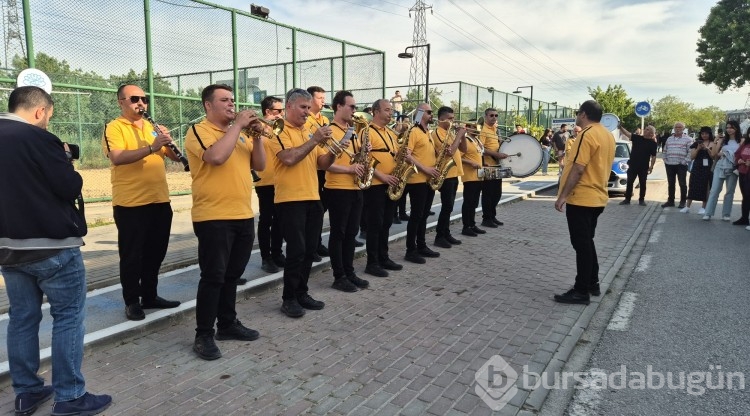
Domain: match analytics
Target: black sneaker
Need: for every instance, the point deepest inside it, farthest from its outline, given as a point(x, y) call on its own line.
point(306, 301)
point(280, 260)
point(427, 252)
point(442, 242)
point(404, 217)
point(241, 282)
point(452, 240)
point(205, 347)
point(292, 308)
point(317, 258)
point(414, 257)
point(625, 202)
point(595, 290)
point(134, 312)
point(88, 404)
point(478, 230)
point(237, 331)
point(681, 206)
point(497, 221)
point(323, 251)
point(343, 284)
point(356, 281)
point(358, 243)
point(468, 231)
point(641, 202)
point(488, 224)
point(268, 266)
point(159, 303)
point(573, 297)
point(389, 264)
point(27, 403)
point(362, 235)
point(376, 270)
point(667, 204)
point(396, 219)
point(741, 222)
point(431, 213)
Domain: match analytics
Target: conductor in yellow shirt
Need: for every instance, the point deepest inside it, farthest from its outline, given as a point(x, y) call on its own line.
point(221, 156)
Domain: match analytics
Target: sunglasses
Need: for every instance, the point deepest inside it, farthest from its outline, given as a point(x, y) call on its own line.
point(134, 99)
point(492, 115)
point(276, 110)
point(428, 111)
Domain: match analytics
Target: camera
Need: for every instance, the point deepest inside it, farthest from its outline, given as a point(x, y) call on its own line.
point(74, 153)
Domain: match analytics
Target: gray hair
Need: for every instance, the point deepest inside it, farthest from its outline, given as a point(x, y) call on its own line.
point(297, 93)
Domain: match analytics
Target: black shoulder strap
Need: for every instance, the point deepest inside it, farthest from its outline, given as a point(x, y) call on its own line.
point(384, 141)
point(198, 137)
point(580, 140)
point(106, 141)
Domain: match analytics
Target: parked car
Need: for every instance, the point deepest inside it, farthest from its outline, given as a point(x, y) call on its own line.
point(618, 177)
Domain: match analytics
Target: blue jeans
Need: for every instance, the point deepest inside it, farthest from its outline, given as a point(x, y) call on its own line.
point(713, 197)
point(63, 279)
point(545, 159)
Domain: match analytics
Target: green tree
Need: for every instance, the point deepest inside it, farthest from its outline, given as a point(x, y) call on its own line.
point(669, 110)
point(616, 101)
point(415, 96)
point(723, 45)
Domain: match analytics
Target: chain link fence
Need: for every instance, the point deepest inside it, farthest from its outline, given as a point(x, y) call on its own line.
point(172, 49)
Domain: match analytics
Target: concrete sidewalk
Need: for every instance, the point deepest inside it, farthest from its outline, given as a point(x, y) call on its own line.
point(410, 344)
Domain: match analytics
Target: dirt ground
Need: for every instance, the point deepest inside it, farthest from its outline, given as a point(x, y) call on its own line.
point(97, 185)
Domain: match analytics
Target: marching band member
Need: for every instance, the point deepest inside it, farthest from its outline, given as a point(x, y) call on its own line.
point(221, 156)
point(380, 208)
point(297, 200)
point(448, 189)
point(315, 120)
point(140, 201)
point(423, 156)
point(492, 190)
point(270, 237)
point(340, 186)
point(471, 159)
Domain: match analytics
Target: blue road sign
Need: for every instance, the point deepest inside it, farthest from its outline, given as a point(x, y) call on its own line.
point(642, 109)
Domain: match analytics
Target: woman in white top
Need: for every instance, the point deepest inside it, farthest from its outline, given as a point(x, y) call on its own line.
point(724, 170)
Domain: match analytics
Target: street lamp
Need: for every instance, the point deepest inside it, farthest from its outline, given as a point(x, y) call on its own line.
point(409, 55)
point(531, 98)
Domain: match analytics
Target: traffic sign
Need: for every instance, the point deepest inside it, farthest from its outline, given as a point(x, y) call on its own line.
point(642, 109)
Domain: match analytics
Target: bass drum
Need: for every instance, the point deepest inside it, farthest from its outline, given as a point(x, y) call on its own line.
point(610, 121)
point(525, 155)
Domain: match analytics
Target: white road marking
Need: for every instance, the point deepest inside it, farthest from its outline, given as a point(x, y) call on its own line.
point(655, 236)
point(643, 263)
point(588, 394)
point(621, 317)
point(662, 219)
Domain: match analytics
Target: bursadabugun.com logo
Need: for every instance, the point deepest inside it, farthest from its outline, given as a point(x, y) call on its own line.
point(496, 382)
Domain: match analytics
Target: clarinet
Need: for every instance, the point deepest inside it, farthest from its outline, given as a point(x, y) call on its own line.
point(174, 148)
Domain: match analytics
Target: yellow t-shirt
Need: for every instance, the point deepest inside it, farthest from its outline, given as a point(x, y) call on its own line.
point(594, 148)
point(141, 182)
point(315, 122)
point(472, 153)
point(438, 137)
point(298, 182)
point(384, 148)
point(343, 181)
point(422, 149)
point(490, 141)
point(266, 177)
point(220, 192)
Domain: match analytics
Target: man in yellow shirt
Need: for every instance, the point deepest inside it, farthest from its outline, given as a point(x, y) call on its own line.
point(492, 190)
point(341, 187)
point(381, 209)
point(443, 237)
point(298, 156)
point(315, 120)
point(270, 237)
point(140, 200)
point(221, 156)
point(583, 187)
point(423, 156)
point(471, 159)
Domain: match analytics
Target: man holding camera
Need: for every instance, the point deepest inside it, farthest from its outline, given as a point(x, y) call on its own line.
point(140, 200)
point(41, 234)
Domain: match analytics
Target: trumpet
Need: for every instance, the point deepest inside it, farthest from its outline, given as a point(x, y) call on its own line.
point(277, 126)
point(335, 147)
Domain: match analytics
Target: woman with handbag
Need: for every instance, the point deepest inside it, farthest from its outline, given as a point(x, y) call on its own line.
point(700, 171)
point(724, 170)
point(742, 160)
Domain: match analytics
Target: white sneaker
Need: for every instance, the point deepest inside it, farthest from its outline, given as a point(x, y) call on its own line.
point(748, 228)
point(706, 218)
point(725, 218)
point(685, 210)
point(701, 211)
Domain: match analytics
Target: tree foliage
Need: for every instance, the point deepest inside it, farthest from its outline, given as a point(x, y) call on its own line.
point(723, 45)
point(616, 101)
point(670, 109)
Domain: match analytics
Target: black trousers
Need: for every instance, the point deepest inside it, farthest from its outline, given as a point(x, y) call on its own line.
point(642, 174)
point(323, 202)
point(344, 218)
point(472, 191)
point(379, 217)
point(679, 171)
point(302, 223)
point(745, 190)
point(492, 191)
point(142, 240)
point(401, 203)
point(270, 235)
point(224, 248)
point(447, 200)
point(421, 200)
point(582, 227)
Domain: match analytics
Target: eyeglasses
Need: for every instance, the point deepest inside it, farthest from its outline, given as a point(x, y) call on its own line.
point(135, 98)
point(276, 110)
point(429, 112)
point(491, 115)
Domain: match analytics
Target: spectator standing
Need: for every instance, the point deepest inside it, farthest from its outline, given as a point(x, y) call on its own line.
point(546, 142)
point(700, 171)
point(742, 160)
point(397, 103)
point(676, 157)
point(644, 149)
point(723, 153)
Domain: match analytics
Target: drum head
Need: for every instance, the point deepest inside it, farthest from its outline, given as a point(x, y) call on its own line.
point(610, 121)
point(35, 78)
point(524, 155)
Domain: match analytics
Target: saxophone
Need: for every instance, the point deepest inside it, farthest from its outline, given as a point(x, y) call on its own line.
point(403, 169)
point(445, 161)
point(364, 156)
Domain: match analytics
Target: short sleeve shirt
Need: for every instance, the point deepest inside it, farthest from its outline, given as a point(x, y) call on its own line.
point(594, 148)
point(298, 182)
